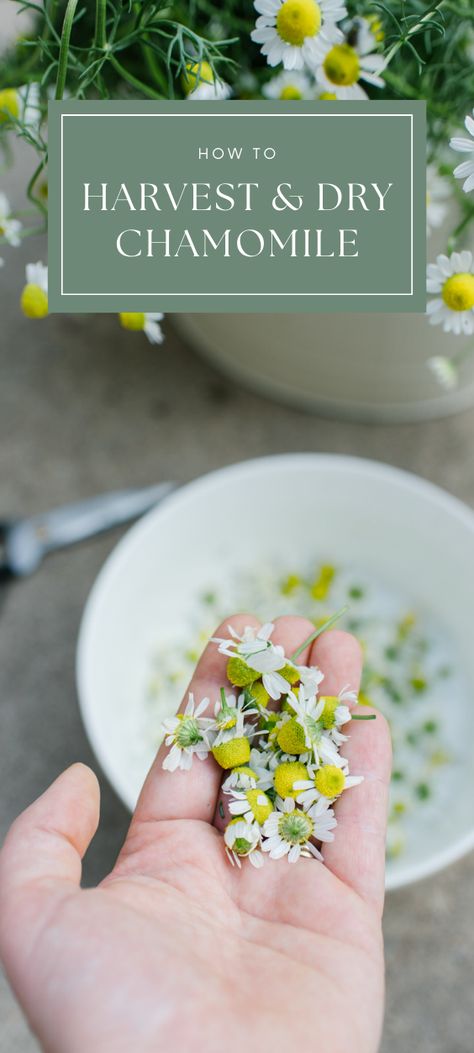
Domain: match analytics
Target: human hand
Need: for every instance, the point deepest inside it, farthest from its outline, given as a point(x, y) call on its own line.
point(178, 950)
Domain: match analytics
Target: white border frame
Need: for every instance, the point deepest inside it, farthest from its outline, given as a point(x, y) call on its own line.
point(232, 113)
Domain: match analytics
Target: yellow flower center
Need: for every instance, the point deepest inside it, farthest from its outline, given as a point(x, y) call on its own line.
point(321, 586)
point(329, 780)
point(331, 703)
point(292, 582)
point(295, 827)
point(34, 301)
point(458, 292)
point(290, 91)
point(341, 65)
point(10, 103)
point(232, 754)
point(132, 320)
point(291, 737)
point(260, 805)
point(298, 19)
point(195, 73)
point(290, 673)
point(2, 230)
point(286, 775)
point(239, 673)
point(258, 693)
point(376, 27)
point(327, 96)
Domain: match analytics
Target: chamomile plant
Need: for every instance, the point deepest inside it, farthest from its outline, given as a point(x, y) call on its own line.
point(288, 50)
point(283, 767)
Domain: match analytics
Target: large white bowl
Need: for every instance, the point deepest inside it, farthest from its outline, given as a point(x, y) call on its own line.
point(410, 534)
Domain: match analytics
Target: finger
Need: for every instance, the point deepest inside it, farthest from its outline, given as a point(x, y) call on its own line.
point(41, 856)
point(339, 657)
point(191, 794)
point(357, 854)
point(290, 632)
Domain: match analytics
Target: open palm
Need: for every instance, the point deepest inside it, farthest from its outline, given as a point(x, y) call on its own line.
point(178, 950)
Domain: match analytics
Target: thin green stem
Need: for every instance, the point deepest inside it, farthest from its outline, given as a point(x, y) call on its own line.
point(31, 185)
point(133, 81)
point(153, 67)
point(317, 632)
point(413, 31)
point(100, 38)
point(64, 49)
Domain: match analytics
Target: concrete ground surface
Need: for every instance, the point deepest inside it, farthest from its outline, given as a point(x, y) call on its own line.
point(87, 407)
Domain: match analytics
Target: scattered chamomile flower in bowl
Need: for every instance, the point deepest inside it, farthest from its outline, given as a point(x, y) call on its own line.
point(391, 551)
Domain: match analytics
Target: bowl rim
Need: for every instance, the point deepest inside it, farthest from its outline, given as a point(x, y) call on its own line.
point(131, 540)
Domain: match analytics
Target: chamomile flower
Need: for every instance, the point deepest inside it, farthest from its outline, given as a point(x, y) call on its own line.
point(21, 104)
point(297, 32)
point(242, 841)
point(289, 85)
point(310, 679)
point(245, 643)
point(286, 775)
point(34, 298)
point(229, 718)
point(249, 777)
point(253, 656)
point(346, 64)
point(9, 227)
point(452, 279)
point(252, 805)
point(143, 321)
point(366, 32)
point(325, 783)
point(269, 664)
point(323, 818)
point(233, 752)
point(309, 725)
point(438, 191)
point(288, 832)
point(445, 371)
point(243, 778)
point(302, 734)
point(336, 710)
point(200, 83)
point(307, 713)
point(187, 734)
point(465, 146)
point(231, 710)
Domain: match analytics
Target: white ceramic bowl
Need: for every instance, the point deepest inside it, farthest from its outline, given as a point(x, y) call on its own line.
point(411, 535)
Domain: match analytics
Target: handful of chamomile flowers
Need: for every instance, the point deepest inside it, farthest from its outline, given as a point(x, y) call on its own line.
point(278, 739)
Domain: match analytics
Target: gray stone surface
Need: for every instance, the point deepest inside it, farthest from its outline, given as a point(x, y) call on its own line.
point(86, 407)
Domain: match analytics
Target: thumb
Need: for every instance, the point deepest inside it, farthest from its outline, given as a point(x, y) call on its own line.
point(41, 858)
